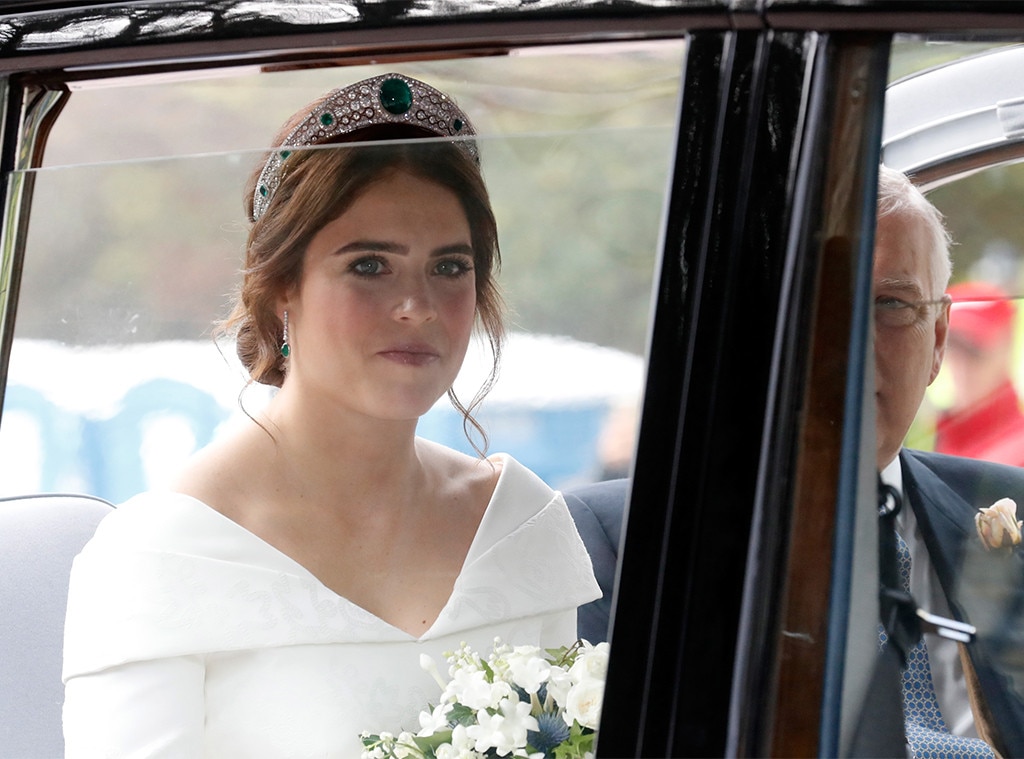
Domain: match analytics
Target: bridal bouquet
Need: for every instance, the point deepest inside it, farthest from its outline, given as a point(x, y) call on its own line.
point(520, 701)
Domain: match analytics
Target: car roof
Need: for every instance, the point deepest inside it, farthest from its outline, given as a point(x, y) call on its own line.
point(955, 119)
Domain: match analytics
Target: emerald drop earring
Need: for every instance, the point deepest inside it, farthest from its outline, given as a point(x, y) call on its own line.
point(285, 348)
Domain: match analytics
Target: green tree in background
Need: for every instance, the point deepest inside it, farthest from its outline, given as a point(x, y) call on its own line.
point(137, 231)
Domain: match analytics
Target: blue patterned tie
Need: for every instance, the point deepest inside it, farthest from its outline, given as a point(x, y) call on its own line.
point(926, 730)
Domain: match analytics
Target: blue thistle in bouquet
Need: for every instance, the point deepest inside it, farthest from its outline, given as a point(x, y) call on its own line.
point(551, 732)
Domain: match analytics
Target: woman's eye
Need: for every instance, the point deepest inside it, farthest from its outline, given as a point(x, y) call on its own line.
point(453, 267)
point(367, 267)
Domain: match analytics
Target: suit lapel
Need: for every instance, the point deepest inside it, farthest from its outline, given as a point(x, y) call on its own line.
point(945, 508)
point(946, 521)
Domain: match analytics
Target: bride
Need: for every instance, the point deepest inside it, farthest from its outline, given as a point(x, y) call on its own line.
point(276, 601)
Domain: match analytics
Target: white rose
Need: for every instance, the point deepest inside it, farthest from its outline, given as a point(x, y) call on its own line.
point(591, 661)
point(997, 525)
point(583, 703)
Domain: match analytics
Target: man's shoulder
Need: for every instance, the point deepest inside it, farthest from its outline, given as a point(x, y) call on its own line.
point(608, 494)
point(600, 502)
point(598, 510)
point(978, 482)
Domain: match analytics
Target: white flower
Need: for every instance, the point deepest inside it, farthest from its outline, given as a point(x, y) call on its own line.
point(434, 721)
point(461, 746)
point(584, 703)
point(428, 664)
point(465, 658)
point(559, 683)
point(528, 668)
point(503, 732)
point(591, 662)
point(472, 689)
point(405, 748)
point(460, 741)
point(997, 525)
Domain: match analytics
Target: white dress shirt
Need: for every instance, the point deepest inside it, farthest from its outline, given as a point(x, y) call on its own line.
point(943, 654)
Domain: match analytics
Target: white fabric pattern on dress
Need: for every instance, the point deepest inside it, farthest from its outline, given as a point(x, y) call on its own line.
point(170, 588)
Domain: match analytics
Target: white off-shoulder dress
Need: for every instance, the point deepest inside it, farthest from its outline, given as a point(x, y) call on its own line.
point(189, 636)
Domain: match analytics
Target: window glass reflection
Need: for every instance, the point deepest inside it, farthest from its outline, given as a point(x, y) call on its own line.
point(953, 542)
point(974, 408)
point(137, 230)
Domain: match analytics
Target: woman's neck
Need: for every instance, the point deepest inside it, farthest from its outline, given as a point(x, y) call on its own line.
point(331, 450)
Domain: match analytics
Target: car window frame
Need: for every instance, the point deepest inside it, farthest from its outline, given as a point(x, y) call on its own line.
point(736, 39)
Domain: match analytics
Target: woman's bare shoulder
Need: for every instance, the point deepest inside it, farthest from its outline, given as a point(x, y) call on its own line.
point(460, 478)
point(227, 472)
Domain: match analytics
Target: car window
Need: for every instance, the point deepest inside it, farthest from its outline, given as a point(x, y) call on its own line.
point(966, 152)
point(128, 249)
point(136, 234)
point(973, 408)
point(949, 126)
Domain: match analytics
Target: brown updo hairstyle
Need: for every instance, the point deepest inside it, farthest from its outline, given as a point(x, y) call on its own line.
point(317, 185)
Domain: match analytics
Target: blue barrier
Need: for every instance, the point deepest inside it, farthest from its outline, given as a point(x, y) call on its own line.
point(113, 447)
point(104, 457)
point(59, 432)
point(558, 443)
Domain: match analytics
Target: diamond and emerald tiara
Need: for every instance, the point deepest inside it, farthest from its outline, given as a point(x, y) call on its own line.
point(386, 99)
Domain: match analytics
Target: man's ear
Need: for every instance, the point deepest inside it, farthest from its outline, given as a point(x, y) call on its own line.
point(941, 333)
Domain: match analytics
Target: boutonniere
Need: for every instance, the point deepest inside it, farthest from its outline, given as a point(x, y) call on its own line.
point(998, 526)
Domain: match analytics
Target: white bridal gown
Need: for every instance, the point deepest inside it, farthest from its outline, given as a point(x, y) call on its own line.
point(189, 636)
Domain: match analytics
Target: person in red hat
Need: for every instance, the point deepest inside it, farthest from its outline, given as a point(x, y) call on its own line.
point(985, 420)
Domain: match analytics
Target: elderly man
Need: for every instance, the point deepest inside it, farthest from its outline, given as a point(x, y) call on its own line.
point(975, 706)
point(911, 271)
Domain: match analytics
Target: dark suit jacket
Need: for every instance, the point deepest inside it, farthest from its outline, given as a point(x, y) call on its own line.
point(985, 588)
point(598, 511)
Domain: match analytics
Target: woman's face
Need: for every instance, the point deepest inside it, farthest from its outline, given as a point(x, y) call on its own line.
point(384, 311)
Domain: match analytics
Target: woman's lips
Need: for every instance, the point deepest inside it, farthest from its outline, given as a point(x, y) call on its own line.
point(410, 355)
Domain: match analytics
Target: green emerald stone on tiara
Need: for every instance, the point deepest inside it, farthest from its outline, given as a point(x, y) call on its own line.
point(395, 96)
point(351, 108)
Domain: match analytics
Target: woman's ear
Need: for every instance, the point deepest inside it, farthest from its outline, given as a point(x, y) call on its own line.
point(286, 300)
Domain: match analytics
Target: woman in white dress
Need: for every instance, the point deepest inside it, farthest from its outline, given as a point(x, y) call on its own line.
point(276, 601)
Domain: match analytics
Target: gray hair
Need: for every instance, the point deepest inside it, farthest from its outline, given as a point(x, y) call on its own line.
point(898, 196)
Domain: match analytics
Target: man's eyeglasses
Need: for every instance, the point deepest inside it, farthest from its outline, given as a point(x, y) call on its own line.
point(896, 312)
